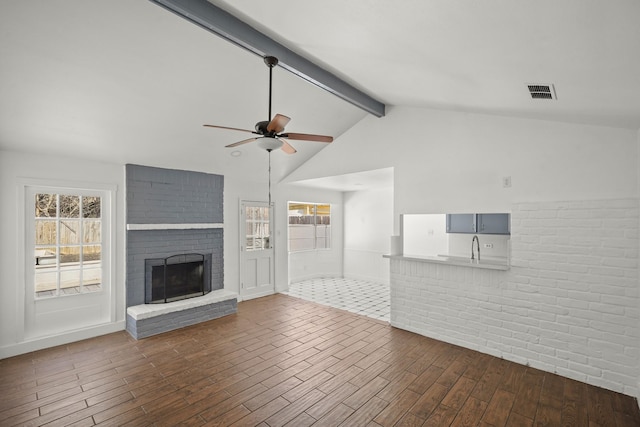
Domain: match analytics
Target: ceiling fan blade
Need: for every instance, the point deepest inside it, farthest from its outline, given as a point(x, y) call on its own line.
point(278, 123)
point(307, 137)
point(226, 127)
point(287, 148)
point(244, 141)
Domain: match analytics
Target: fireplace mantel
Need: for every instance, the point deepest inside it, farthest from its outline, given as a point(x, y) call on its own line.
point(194, 226)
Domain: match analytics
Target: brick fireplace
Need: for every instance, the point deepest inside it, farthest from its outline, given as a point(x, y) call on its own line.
point(173, 213)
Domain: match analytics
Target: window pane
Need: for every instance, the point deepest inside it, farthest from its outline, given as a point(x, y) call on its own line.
point(91, 231)
point(309, 226)
point(69, 254)
point(91, 254)
point(91, 207)
point(69, 206)
point(92, 269)
point(323, 234)
point(46, 282)
point(69, 232)
point(46, 256)
point(46, 232)
point(46, 205)
point(69, 281)
point(323, 214)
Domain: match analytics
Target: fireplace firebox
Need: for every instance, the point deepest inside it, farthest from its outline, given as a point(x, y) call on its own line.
point(177, 277)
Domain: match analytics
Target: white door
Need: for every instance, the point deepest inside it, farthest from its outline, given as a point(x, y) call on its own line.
point(256, 250)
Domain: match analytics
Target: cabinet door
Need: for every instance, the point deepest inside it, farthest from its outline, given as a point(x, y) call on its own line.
point(495, 223)
point(461, 223)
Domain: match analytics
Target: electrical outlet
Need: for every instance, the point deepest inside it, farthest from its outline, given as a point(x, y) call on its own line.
point(506, 181)
point(488, 245)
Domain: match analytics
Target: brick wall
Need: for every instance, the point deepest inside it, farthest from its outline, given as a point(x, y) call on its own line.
point(144, 244)
point(569, 303)
point(167, 196)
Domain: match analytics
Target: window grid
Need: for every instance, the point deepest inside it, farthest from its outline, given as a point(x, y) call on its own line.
point(309, 226)
point(68, 244)
point(257, 228)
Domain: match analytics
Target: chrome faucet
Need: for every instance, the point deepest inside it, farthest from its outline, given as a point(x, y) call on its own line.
point(475, 239)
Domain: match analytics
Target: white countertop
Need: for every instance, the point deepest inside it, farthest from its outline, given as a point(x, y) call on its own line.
point(490, 264)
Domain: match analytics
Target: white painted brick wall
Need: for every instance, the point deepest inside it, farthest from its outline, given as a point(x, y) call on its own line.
point(569, 304)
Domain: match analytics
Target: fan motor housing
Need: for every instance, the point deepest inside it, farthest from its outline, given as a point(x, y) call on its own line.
point(261, 128)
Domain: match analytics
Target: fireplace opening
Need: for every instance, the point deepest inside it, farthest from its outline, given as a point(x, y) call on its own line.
point(177, 277)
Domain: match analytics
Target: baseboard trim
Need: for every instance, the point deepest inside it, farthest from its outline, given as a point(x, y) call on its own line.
point(61, 339)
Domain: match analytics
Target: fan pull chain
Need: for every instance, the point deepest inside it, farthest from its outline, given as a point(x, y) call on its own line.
point(269, 178)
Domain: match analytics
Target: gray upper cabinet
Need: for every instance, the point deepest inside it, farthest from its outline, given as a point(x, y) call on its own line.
point(491, 223)
point(461, 223)
point(494, 223)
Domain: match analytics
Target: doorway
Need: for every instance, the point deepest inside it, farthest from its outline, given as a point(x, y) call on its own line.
point(257, 276)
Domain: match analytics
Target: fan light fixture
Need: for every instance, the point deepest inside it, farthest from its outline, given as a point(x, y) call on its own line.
point(269, 144)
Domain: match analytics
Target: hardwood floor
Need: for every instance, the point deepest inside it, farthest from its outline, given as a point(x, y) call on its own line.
point(284, 361)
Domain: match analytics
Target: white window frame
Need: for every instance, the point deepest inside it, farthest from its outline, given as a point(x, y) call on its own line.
point(25, 291)
point(315, 227)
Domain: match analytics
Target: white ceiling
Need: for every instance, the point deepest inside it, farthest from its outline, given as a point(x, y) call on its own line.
point(129, 82)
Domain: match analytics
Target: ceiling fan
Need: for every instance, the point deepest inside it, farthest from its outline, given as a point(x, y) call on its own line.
point(271, 132)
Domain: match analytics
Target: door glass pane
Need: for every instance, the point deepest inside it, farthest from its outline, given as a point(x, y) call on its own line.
point(257, 227)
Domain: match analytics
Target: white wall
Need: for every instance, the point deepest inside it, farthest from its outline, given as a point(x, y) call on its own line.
point(14, 167)
point(368, 223)
point(454, 162)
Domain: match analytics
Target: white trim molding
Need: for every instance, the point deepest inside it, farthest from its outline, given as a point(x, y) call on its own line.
point(194, 226)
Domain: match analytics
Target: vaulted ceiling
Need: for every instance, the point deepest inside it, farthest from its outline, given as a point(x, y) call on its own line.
point(127, 81)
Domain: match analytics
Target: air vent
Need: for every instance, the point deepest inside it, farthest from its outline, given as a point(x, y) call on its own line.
point(542, 91)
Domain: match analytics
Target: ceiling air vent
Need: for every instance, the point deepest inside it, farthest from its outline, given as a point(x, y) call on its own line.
point(542, 91)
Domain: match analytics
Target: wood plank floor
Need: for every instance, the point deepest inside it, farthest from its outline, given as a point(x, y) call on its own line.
point(284, 361)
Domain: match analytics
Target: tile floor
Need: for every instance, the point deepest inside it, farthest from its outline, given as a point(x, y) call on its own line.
point(357, 296)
